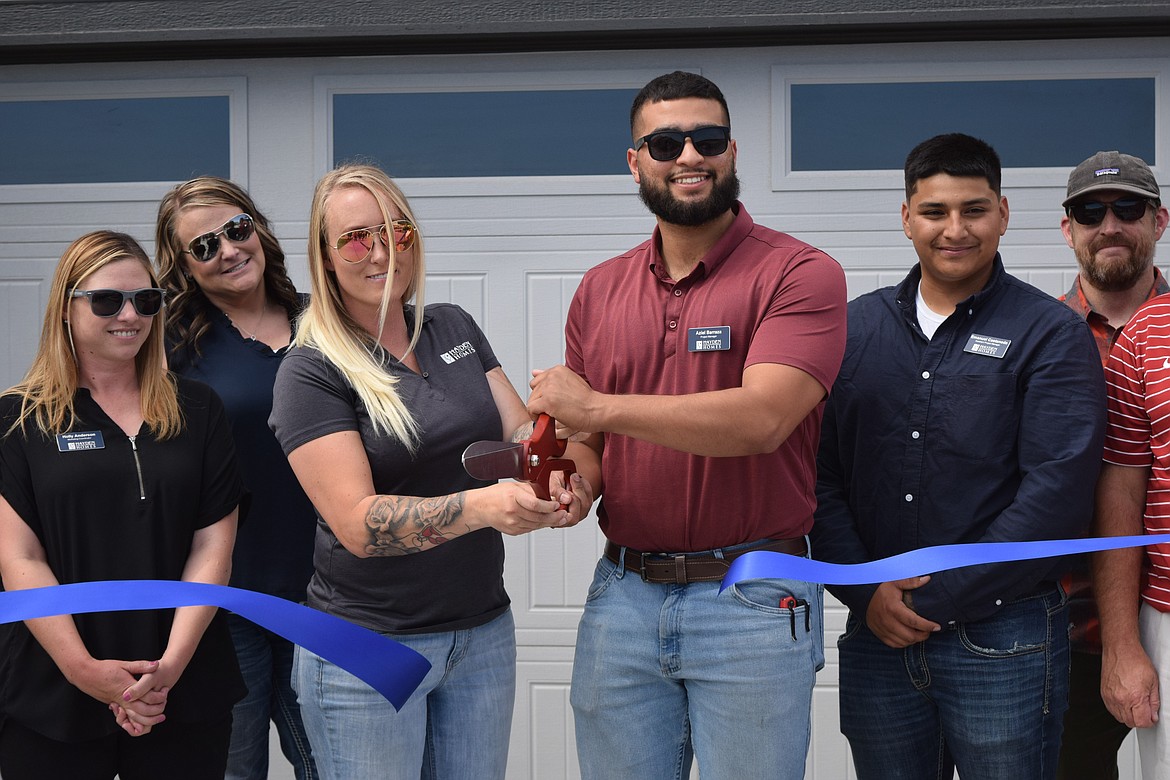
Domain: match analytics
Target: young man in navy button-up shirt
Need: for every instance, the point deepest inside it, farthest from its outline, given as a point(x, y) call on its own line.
point(962, 413)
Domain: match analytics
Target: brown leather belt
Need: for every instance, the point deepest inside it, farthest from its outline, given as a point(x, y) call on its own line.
point(681, 568)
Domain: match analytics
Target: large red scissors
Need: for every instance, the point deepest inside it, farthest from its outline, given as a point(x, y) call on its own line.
point(530, 460)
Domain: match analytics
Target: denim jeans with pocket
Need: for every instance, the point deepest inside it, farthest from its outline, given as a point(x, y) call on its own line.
point(455, 725)
point(664, 674)
point(987, 697)
point(266, 664)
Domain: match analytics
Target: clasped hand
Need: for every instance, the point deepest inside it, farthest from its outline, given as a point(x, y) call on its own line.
point(135, 691)
point(565, 396)
point(513, 507)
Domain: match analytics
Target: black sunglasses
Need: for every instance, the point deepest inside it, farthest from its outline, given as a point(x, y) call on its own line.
point(107, 303)
point(667, 145)
point(1092, 212)
point(206, 247)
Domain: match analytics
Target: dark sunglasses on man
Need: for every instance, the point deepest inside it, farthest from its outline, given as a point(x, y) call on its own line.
point(237, 229)
point(147, 301)
point(667, 145)
point(1092, 212)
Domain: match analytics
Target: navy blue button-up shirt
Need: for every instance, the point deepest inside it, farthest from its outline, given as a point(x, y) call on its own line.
point(930, 442)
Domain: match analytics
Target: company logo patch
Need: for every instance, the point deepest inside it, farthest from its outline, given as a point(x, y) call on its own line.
point(458, 351)
point(1106, 171)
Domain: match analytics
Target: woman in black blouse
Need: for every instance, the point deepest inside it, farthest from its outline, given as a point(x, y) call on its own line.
point(111, 468)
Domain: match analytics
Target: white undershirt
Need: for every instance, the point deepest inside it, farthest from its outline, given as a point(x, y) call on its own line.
point(928, 318)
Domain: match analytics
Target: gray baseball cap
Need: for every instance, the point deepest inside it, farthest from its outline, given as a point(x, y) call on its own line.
point(1112, 171)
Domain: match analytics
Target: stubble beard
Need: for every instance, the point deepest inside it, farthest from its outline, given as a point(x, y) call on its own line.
point(668, 208)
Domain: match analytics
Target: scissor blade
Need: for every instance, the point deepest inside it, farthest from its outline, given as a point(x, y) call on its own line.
point(494, 460)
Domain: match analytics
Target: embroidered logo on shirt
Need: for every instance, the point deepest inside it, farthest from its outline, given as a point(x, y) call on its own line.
point(458, 351)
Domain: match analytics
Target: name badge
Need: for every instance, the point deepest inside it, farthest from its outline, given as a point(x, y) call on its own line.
point(713, 339)
point(77, 441)
point(987, 345)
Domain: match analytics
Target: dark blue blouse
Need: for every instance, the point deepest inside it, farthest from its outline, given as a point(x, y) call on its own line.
point(274, 547)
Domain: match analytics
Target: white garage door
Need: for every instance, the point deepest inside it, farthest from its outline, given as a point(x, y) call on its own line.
point(815, 160)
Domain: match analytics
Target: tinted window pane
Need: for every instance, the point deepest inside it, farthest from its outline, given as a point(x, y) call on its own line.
point(139, 139)
point(1036, 123)
point(542, 133)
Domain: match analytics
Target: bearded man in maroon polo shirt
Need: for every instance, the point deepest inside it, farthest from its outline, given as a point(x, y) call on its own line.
point(698, 362)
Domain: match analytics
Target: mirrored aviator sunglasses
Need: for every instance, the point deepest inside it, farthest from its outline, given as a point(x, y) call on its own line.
point(667, 145)
point(354, 246)
point(1092, 212)
point(147, 301)
point(237, 229)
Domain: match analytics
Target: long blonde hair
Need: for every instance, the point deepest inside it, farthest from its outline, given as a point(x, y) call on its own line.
point(327, 326)
point(48, 389)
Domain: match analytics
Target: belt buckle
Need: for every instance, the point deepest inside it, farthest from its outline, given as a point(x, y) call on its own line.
point(642, 564)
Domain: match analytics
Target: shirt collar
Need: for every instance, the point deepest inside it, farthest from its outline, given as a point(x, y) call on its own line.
point(907, 292)
point(1076, 300)
point(409, 310)
point(727, 243)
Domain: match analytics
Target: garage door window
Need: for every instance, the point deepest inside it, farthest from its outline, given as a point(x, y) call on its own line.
point(114, 140)
point(841, 127)
point(484, 133)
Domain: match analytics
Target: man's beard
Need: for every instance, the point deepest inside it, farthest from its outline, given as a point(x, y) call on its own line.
point(668, 208)
point(1116, 275)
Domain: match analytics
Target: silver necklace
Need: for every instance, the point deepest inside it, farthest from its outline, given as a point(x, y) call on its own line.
point(250, 334)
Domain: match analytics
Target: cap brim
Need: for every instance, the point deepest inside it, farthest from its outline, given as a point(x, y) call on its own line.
point(1115, 186)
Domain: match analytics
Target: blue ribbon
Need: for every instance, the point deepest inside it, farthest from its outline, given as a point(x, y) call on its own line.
point(773, 565)
point(388, 667)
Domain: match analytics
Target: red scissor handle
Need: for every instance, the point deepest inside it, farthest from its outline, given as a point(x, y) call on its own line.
point(542, 456)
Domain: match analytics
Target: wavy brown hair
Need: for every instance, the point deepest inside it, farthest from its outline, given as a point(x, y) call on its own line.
point(48, 389)
point(189, 310)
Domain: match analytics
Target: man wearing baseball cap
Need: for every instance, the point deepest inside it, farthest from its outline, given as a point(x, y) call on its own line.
point(1114, 217)
point(1116, 276)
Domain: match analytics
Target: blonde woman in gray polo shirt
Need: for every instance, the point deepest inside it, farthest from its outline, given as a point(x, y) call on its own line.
point(374, 407)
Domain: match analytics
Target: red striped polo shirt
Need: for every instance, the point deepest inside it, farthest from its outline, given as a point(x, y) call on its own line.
point(1138, 434)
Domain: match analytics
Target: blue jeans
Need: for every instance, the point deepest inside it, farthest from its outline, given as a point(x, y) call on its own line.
point(456, 725)
point(266, 664)
point(667, 673)
point(987, 697)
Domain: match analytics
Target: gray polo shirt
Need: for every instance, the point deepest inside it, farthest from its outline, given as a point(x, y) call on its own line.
point(458, 584)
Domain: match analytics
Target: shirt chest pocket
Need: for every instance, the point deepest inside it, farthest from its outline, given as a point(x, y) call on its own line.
point(975, 416)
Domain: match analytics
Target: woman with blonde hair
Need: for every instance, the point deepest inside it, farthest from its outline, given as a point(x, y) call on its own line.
point(113, 469)
point(231, 313)
point(374, 407)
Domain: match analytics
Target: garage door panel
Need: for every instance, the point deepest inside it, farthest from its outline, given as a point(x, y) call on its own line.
point(22, 308)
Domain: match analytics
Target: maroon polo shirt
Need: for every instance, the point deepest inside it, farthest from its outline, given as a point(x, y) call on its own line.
point(629, 331)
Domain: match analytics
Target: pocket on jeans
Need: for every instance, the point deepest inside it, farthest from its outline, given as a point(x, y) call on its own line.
point(765, 596)
point(1020, 628)
point(604, 574)
point(852, 626)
